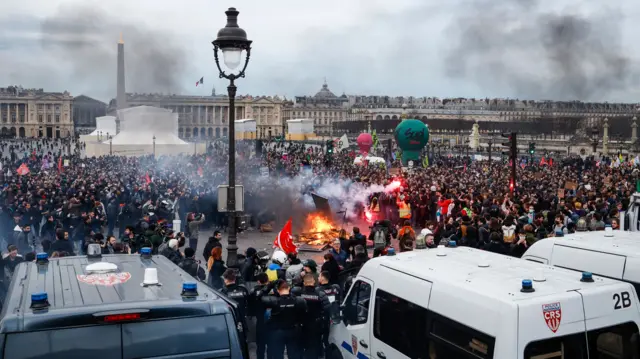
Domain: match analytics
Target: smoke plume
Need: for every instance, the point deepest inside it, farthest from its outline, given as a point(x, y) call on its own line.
point(85, 39)
point(540, 54)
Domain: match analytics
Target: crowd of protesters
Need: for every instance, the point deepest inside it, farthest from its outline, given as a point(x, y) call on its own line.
point(66, 201)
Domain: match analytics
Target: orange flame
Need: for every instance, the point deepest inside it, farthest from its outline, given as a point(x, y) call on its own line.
point(318, 223)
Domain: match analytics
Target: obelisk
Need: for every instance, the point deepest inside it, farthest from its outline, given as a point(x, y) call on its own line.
point(121, 95)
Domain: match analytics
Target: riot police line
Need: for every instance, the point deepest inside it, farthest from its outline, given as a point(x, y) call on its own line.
point(282, 312)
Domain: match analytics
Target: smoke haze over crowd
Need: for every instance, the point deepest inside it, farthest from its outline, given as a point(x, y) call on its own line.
point(540, 53)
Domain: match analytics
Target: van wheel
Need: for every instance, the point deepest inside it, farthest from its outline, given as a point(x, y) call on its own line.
point(334, 353)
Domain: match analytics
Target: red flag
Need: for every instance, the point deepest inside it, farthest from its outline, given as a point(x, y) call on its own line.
point(550, 161)
point(523, 165)
point(543, 162)
point(284, 240)
point(23, 169)
point(60, 164)
point(465, 167)
point(200, 173)
point(147, 178)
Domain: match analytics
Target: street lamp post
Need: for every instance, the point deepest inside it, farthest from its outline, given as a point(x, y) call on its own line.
point(110, 138)
point(594, 139)
point(232, 41)
point(489, 144)
point(154, 146)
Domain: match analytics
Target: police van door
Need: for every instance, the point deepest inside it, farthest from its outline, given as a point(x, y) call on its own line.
point(352, 335)
point(399, 317)
point(551, 329)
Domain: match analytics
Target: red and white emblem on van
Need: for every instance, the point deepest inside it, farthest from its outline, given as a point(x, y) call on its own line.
point(107, 279)
point(552, 314)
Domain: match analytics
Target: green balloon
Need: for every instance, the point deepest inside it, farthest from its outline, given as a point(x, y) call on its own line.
point(411, 136)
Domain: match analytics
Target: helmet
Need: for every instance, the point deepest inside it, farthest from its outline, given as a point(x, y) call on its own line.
point(279, 257)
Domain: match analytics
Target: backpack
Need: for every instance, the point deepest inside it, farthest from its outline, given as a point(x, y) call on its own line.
point(406, 241)
point(379, 239)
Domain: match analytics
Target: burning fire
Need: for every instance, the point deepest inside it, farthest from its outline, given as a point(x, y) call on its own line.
point(367, 215)
point(318, 223)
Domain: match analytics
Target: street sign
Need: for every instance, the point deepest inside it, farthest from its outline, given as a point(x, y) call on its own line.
point(222, 198)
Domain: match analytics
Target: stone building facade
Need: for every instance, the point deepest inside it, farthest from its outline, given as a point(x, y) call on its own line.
point(324, 108)
point(35, 113)
point(207, 117)
point(85, 111)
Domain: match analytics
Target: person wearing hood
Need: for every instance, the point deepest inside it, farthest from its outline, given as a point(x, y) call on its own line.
point(25, 239)
point(248, 268)
point(331, 265)
point(294, 269)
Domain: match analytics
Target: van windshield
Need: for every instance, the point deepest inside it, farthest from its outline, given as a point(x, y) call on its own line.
point(616, 342)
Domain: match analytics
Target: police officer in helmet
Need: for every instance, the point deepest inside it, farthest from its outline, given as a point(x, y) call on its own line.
point(238, 293)
point(318, 309)
point(334, 295)
point(284, 311)
point(258, 310)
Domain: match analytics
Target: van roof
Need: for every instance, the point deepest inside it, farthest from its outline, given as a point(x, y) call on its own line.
point(622, 243)
point(71, 291)
point(466, 268)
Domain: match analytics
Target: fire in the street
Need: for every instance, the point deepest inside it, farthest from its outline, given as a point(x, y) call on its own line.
point(318, 223)
point(319, 231)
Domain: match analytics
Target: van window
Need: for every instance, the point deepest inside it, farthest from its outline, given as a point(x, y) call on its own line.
point(400, 324)
point(97, 342)
point(175, 336)
point(464, 339)
point(357, 304)
point(606, 343)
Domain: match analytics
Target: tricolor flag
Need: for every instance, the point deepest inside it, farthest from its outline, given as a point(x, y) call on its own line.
point(200, 82)
point(284, 240)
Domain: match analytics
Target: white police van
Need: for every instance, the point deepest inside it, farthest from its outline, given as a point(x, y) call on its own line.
point(612, 254)
point(467, 303)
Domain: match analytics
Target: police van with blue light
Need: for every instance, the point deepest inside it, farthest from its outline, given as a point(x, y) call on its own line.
point(467, 303)
point(115, 306)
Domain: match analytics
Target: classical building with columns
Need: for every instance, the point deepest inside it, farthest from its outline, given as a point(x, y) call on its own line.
point(207, 117)
point(35, 113)
point(324, 108)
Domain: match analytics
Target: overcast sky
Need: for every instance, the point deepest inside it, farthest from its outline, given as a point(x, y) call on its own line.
point(534, 49)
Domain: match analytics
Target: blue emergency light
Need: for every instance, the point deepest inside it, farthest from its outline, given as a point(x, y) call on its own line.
point(145, 252)
point(453, 244)
point(527, 286)
point(42, 258)
point(587, 277)
point(189, 289)
point(39, 301)
point(391, 252)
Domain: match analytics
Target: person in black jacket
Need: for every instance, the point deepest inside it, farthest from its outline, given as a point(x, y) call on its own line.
point(359, 260)
point(318, 309)
point(249, 268)
point(334, 295)
point(237, 292)
point(496, 244)
point(212, 243)
point(190, 265)
point(258, 310)
point(62, 244)
point(284, 311)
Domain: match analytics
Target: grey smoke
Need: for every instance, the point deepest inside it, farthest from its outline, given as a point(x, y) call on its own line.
point(85, 39)
point(538, 53)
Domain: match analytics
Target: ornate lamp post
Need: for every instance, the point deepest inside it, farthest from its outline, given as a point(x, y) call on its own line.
point(154, 146)
point(232, 41)
point(110, 138)
point(594, 139)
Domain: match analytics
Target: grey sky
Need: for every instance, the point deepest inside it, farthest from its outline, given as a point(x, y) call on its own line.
point(535, 49)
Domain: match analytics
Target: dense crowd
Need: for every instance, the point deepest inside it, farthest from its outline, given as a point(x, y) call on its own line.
point(67, 201)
